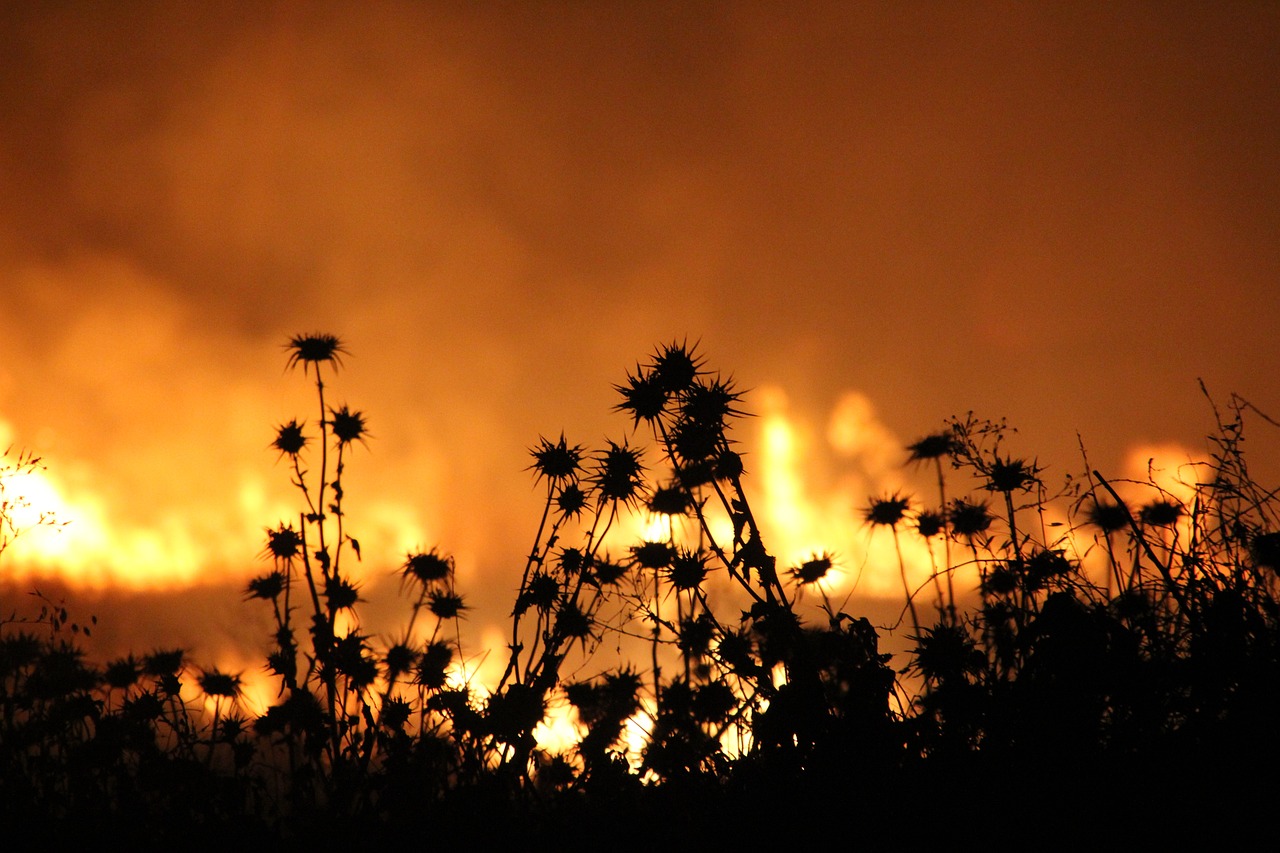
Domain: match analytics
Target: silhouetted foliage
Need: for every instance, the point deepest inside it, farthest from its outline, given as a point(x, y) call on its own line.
point(736, 701)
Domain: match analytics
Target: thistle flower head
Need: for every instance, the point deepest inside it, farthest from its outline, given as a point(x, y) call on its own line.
point(122, 673)
point(643, 395)
point(400, 658)
point(946, 651)
point(933, 446)
point(1012, 475)
point(1265, 549)
point(696, 441)
point(433, 666)
point(670, 500)
point(812, 570)
point(214, 682)
point(164, 662)
point(968, 519)
point(267, 587)
point(929, 523)
point(711, 402)
point(653, 555)
point(687, 570)
point(315, 350)
point(427, 568)
point(571, 560)
point(728, 465)
point(618, 473)
point(676, 366)
point(605, 571)
point(572, 623)
point(289, 438)
point(558, 462)
point(886, 511)
point(1107, 517)
point(445, 605)
point(347, 426)
point(571, 500)
point(283, 543)
point(1160, 513)
point(542, 592)
point(341, 593)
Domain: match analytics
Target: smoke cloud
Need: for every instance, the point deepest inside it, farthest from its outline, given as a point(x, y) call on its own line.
point(889, 215)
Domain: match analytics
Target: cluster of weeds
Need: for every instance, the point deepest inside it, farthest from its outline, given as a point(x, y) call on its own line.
point(1060, 632)
point(1123, 640)
point(732, 674)
point(84, 746)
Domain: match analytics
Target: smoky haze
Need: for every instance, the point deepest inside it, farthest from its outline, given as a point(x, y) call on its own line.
point(1060, 215)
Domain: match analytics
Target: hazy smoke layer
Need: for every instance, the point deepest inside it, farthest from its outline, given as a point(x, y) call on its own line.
point(1058, 215)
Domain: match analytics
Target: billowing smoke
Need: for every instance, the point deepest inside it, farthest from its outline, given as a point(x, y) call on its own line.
point(871, 219)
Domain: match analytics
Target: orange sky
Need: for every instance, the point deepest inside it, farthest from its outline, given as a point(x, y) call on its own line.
point(1062, 214)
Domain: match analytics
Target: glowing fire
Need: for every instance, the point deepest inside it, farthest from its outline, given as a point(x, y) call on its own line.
point(810, 484)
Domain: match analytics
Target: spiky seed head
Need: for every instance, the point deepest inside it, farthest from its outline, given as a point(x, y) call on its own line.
point(670, 500)
point(214, 682)
point(395, 712)
point(1107, 516)
point(1265, 549)
point(427, 567)
point(1001, 580)
point(969, 519)
point(571, 500)
point(445, 605)
point(572, 623)
point(1012, 475)
point(728, 465)
point(164, 662)
point(315, 350)
point(653, 555)
point(543, 590)
point(643, 396)
point(433, 666)
point(606, 572)
point(347, 426)
point(341, 593)
point(696, 634)
point(1045, 564)
point(1160, 513)
point(687, 570)
point(267, 587)
point(289, 438)
point(122, 673)
point(283, 543)
point(676, 366)
point(812, 570)
point(558, 462)
point(929, 523)
point(618, 473)
point(933, 446)
point(710, 403)
point(714, 702)
point(887, 512)
point(571, 560)
point(947, 652)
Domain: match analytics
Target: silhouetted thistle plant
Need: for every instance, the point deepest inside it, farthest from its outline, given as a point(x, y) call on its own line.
point(934, 448)
point(890, 512)
point(754, 676)
point(348, 709)
point(745, 692)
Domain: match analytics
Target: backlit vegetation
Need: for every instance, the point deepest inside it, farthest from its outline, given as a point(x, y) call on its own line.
point(1072, 653)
